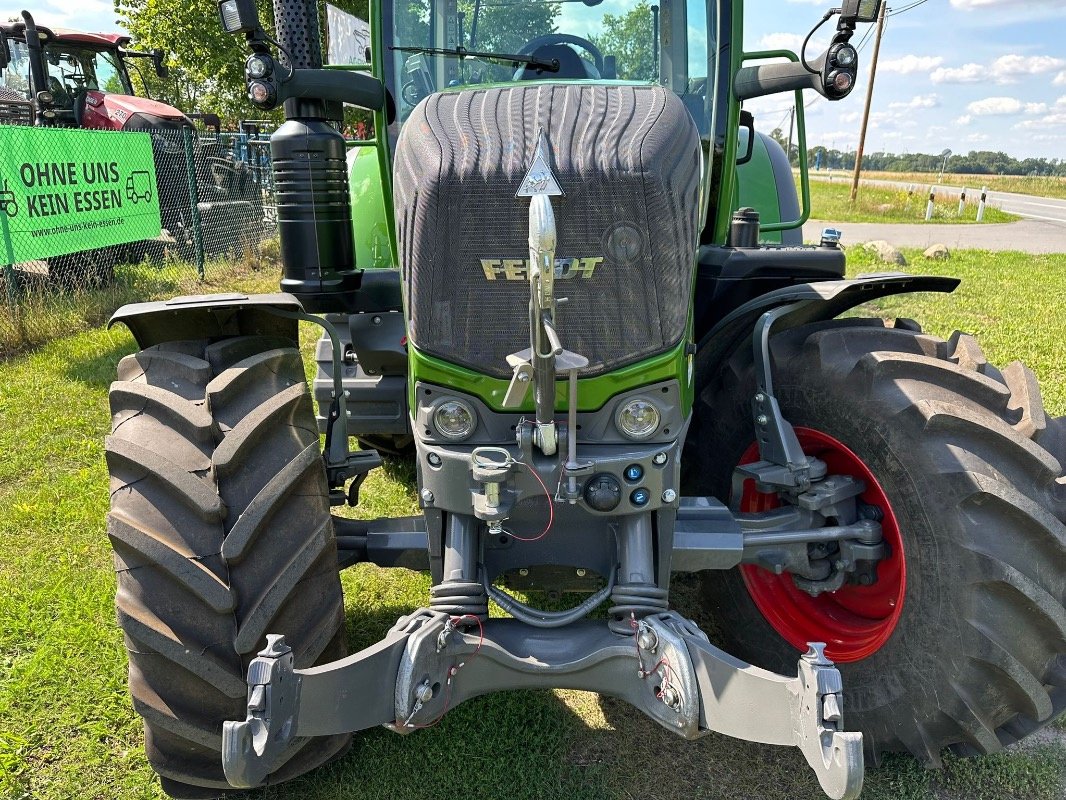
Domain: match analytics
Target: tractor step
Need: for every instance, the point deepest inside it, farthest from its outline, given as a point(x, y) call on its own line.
point(431, 662)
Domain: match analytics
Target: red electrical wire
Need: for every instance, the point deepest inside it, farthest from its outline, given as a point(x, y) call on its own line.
point(551, 508)
point(453, 671)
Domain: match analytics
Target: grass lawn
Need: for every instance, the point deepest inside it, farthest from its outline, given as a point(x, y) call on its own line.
point(67, 728)
point(832, 200)
point(1018, 184)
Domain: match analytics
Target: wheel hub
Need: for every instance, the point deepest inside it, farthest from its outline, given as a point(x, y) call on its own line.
point(854, 621)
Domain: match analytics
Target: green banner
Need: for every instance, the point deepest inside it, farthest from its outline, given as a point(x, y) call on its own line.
point(66, 190)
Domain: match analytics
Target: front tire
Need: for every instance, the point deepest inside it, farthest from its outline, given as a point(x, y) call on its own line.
point(973, 471)
point(221, 530)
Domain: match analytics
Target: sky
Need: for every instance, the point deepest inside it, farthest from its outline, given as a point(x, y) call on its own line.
point(954, 74)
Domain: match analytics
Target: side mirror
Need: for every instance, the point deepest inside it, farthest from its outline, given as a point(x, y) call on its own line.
point(859, 11)
point(747, 123)
point(161, 69)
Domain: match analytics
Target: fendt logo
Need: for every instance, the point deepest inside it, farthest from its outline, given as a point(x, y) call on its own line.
point(517, 269)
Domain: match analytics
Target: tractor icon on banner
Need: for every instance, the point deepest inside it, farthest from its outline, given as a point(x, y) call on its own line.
point(8, 205)
point(139, 187)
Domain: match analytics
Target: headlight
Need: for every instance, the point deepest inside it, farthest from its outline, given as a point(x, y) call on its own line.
point(258, 66)
point(454, 420)
point(638, 418)
point(846, 56)
point(262, 93)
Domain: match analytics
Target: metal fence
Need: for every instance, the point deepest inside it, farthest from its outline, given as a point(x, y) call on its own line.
point(216, 203)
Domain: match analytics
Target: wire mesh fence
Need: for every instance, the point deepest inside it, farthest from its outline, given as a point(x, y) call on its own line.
point(216, 200)
point(217, 214)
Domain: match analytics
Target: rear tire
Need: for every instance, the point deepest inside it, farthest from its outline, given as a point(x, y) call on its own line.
point(221, 530)
point(973, 469)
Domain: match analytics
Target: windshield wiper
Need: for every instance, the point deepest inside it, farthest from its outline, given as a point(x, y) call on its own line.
point(551, 65)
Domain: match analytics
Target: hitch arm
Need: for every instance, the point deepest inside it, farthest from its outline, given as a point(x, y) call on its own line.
point(746, 702)
point(284, 703)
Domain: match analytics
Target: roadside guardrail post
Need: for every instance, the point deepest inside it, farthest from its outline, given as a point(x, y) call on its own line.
point(932, 200)
point(981, 206)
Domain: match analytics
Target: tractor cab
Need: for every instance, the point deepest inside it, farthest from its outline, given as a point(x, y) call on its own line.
point(61, 77)
point(441, 45)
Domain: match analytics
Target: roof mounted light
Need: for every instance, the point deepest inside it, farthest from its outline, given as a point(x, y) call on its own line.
point(856, 11)
point(238, 16)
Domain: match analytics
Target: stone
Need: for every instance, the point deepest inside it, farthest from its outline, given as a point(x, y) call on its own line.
point(938, 252)
point(886, 252)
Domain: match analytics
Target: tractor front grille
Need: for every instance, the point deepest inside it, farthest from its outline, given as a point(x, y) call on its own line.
point(627, 159)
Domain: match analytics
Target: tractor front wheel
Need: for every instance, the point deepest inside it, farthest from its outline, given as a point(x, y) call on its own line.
point(221, 529)
point(961, 641)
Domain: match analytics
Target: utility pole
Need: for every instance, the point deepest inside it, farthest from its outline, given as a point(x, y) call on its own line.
point(869, 102)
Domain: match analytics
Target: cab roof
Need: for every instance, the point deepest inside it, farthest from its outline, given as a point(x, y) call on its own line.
point(74, 37)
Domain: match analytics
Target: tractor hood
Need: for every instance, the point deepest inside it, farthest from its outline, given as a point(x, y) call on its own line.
point(124, 112)
point(624, 165)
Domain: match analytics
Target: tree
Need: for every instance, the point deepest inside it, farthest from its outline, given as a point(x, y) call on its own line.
point(207, 63)
point(630, 37)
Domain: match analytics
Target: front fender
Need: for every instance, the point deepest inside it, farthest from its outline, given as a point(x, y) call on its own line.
point(816, 302)
point(209, 316)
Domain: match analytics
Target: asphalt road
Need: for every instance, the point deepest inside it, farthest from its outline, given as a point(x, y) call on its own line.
point(1042, 229)
point(1027, 236)
point(1040, 208)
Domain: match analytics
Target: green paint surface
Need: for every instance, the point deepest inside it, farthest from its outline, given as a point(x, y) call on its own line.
point(592, 394)
point(370, 218)
point(63, 191)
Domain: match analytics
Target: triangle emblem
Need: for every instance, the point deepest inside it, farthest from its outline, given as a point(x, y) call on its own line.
point(540, 179)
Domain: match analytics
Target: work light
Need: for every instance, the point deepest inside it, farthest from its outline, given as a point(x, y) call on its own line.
point(238, 16)
point(860, 11)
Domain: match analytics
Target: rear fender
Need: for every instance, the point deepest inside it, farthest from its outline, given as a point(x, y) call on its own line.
point(815, 302)
point(209, 316)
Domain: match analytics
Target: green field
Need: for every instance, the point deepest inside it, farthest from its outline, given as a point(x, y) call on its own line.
point(1035, 185)
point(832, 200)
point(67, 728)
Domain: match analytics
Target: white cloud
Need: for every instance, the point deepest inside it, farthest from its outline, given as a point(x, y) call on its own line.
point(975, 5)
point(919, 102)
point(1060, 79)
point(963, 121)
point(1010, 68)
point(1036, 108)
point(781, 41)
point(995, 106)
point(968, 73)
point(909, 64)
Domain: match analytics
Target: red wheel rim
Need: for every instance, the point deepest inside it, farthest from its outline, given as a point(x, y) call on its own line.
point(854, 621)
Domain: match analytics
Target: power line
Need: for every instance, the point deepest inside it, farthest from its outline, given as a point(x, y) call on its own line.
point(905, 9)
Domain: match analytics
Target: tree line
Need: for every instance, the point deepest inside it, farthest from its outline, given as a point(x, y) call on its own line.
point(976, 162)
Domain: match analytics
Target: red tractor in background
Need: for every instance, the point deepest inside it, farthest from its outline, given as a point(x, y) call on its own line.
point(75, 79)
point(63, 78)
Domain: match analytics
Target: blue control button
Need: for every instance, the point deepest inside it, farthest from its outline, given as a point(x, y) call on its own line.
point(640, 497)
point(633, 473)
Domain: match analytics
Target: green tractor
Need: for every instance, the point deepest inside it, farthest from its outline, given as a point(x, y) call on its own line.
point(566, 279)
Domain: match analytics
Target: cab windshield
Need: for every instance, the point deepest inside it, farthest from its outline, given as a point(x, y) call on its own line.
point(664, 42)
point(74, 68)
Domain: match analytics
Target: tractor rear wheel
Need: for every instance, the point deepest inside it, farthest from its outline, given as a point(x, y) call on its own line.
point(221, 531)
point(961, 642)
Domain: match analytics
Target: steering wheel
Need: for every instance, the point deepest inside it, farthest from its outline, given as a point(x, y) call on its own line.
point(533, 45)
point(59, 92)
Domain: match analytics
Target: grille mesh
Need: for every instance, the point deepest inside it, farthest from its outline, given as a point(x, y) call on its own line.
point(626, 157)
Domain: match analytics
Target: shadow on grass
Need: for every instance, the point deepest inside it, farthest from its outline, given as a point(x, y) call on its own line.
point(98, 370)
